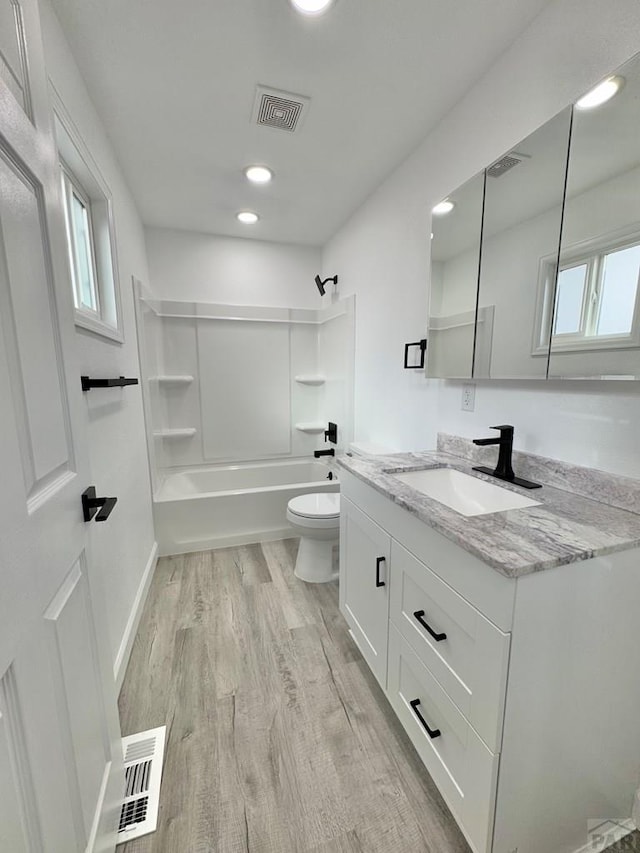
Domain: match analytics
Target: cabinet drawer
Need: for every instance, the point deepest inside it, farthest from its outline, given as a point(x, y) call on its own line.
point(466, 653)
point(460, 764)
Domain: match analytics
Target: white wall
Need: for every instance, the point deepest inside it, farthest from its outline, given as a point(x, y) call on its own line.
point(381, 254)
point(114, 418)
point(206, 268)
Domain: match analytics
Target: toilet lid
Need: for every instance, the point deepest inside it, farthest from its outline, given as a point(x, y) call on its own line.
point(318, 505)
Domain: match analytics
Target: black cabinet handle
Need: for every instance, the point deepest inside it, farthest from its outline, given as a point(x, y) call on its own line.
point(419, 617)
point(95, 507)
point(379, 561)
point(423, 348)
point(433, 733)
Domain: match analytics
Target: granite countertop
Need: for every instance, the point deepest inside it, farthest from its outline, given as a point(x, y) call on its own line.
point(566, 527)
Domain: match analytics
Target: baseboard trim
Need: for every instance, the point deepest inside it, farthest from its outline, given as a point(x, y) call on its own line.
point(172, 548)
point(129, 635)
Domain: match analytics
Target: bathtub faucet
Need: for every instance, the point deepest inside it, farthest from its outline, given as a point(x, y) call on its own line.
point(319, 453)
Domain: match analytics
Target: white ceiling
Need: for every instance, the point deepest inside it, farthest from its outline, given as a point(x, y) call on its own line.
point(175, 85)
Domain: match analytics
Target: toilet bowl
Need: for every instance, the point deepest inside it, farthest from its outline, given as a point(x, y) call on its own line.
point(316, 520)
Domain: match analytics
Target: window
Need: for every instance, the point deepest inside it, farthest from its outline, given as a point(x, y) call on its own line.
point(77, 208)
point(597, 299)
point(90, 233)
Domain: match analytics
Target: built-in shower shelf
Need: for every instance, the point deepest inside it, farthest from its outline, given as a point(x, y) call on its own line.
point(187, 432)
point(311, 379)
point(314, 427)
point(177, 379)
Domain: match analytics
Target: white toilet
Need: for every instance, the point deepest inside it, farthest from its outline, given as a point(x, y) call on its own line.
point(316, 520)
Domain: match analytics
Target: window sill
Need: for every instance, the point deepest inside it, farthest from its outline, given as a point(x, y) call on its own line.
point(589, 345)
point(98, 327)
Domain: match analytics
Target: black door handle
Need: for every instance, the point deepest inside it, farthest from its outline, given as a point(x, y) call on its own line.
point(93, 506)
point(379, 561)
point(433, 733)
point(419, 616)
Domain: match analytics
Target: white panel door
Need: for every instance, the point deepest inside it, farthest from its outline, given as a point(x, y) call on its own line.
point(60, 753)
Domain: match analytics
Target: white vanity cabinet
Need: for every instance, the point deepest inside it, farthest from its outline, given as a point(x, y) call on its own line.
point(521, 696)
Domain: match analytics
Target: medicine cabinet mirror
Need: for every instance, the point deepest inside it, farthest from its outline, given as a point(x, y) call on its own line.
point(455, 258)
point(521, 225)
point(557, 265)
point(596, 322)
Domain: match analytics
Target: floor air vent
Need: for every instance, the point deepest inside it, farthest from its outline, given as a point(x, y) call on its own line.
point(282, 110)
point(143, 754)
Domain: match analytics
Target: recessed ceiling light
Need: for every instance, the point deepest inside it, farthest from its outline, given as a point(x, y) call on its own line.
point(311, 7)
point(601, 93)
point(247, 217)
point(445, 206)
point(258, 174)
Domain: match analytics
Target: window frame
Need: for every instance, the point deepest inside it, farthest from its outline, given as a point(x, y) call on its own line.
point(592, 253)
point(72, 187)
point(80, 172)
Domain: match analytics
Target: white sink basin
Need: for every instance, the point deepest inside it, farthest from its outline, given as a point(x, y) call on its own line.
point(466, 495)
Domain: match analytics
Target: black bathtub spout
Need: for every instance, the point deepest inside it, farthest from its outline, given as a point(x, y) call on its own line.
point(319, 453)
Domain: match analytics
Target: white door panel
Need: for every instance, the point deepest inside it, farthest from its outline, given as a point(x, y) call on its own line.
point(12, 52)
point(15, 789)
point(60, 756)
point(73, 649)
point(29, 325)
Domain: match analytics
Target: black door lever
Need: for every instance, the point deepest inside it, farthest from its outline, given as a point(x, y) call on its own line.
point(93, 506)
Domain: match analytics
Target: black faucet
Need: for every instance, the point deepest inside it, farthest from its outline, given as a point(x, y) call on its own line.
point(319, 453)
point(504, 468)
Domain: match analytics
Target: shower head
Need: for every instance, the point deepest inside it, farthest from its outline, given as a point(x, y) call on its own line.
point(320, 283)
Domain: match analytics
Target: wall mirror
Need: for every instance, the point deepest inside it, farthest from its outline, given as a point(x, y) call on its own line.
point(455, 257)
point(596, 317)
point(522, 223)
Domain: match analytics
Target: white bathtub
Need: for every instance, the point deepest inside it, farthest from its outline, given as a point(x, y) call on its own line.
point(216, 506)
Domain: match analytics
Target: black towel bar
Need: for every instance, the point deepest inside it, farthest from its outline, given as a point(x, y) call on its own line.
point(119, 382)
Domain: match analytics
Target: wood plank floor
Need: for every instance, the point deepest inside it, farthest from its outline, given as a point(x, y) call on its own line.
point(279, 739)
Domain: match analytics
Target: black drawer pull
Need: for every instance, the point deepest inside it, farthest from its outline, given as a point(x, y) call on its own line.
point(379, 561)
point(419, 616)
point(433, 733)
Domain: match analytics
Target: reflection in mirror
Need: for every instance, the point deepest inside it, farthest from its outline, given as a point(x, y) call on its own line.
point(521, 233)
point(596, 322)
point(455, 254)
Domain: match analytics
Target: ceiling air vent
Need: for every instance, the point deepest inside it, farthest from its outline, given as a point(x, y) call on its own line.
point(282, 110)
point(506, 163)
